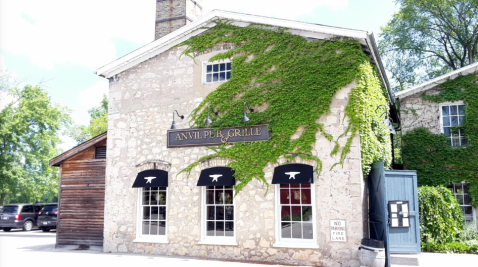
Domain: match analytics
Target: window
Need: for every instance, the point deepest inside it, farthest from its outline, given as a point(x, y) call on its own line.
point(100, 152)
point(216, 72)
point(218, 215)
point(452, 115)
point(460, 191)
point(295, 223)
point(152, 215)
point(27, 209)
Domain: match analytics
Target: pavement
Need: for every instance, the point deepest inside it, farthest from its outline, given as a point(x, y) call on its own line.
point(17, 248)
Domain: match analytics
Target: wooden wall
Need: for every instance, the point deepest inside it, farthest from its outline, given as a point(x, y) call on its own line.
point(82, 199)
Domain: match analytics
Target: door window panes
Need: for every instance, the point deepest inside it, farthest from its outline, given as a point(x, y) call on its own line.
point(296, 211)
point(153, 219)
point(219, 211)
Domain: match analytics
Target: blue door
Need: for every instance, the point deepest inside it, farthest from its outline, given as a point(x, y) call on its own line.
point(377, 212)
point(402, 211)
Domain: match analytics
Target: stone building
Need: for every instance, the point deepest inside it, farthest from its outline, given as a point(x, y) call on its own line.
point(438, 118)
point(154, 85)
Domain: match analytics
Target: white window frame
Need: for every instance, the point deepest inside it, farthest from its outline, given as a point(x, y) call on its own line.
point(216, 240)
point(140, 238)
point(467, 205)
point(295, 242)
point(204, 69)
point(441, 115)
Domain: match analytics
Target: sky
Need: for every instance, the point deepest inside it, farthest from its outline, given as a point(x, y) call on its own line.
point(61, 43)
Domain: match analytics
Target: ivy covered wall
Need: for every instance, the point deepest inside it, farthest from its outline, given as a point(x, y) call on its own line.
point(436, 162)
point(290, 82)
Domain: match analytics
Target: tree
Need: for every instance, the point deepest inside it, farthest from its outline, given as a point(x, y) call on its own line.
point(428, 38)
point(29, 127)
point(98, 123)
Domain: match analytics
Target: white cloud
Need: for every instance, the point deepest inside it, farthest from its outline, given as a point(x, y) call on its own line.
point(273, 8)
point(50, 32)
point(92, 96)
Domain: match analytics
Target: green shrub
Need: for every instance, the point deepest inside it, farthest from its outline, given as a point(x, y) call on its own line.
point(441, 220)
point(469, 233)
point(452, 247)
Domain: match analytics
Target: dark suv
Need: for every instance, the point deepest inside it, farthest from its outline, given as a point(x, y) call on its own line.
point(19, 216)
point(47, 217)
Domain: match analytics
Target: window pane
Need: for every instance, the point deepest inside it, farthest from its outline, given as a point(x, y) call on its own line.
point(295, 196)
point(446, 121)
point(460, 120)
point(219, 212)
point(154, 197)
point(145, 196)
point(219, 228)
point(210, 213)
point(210, 229)
point(229, 215)
point(305, 185)
point(466, 199)
point(284, 196)
point(307, 213)
point(458, 188)
point(229, 228)
point(285, 213)
point(145, 228)
point(162, 198)
point(228, 75)
point(468, 210)
point(27, 209)
point(154, 213)
point(163, 188)
point(294, 185)
point(296, 212)
point(284, 186)
point(209, 196)
point(215, 77)
point(222, 76)
point(209, 68)
point(228, 66)
point(162, 213)
point(453, 110)
point(229, 198)
point(465, 188)
point(461, 109)
point(286, 230)
point(162, 228)
point(209, 78)
point(445, 111)
point(459, 198)
point(222, 67)
point(307, 231)
point(296, 230)
point(146, 211)
point(306, 199)
point(154, 228)
point(446, 130)
point(454, 121)
point(218, 196)
point(215, 67)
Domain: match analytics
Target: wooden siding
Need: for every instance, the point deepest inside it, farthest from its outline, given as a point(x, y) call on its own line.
point(82, 200)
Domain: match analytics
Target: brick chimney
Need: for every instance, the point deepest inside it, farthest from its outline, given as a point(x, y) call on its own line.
point(173, 14)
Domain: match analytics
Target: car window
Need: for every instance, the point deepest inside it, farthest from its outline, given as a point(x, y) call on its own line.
point(50, 208)
point(38, 208)
point(27, 208)
point(10, 209)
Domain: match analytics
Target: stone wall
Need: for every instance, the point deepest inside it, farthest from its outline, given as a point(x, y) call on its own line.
point(142, 101)
point(416, 112)
point(181, 12)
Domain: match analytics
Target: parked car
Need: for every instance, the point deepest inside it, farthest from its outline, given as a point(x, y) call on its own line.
point(47, 217)
point(22, 215)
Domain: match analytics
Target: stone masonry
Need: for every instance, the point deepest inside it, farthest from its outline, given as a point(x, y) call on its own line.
point(416, 112)
point(174, 14)
point(142, 100)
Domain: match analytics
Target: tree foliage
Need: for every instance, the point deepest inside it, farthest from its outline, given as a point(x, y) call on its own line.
point(441, 219)
point(428, 38)
point(29, 127)
point(98, 123)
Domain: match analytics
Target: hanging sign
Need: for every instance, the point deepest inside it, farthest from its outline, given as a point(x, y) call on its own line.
point(211, 136)
point(337, 231)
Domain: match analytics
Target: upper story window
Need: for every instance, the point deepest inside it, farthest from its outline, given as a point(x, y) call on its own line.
point(216, 71)
point(460, 191)
point(452, 115)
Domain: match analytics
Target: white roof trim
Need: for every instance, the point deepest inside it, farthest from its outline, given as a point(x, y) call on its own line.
point(158, 46)
point(473, 68)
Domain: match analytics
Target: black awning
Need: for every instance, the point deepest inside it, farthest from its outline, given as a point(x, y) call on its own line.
point(151, 178)
point(223, 176)
point(294, 173)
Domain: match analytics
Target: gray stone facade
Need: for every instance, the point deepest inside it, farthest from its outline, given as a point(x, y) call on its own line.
point(417, 112)
point(174, 14)
point(141, 104)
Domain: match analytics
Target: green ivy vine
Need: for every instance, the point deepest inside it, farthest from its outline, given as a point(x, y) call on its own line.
point(436, 162)
point(291, 81)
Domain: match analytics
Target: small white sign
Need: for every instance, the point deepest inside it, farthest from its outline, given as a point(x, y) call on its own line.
point(338, 231)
